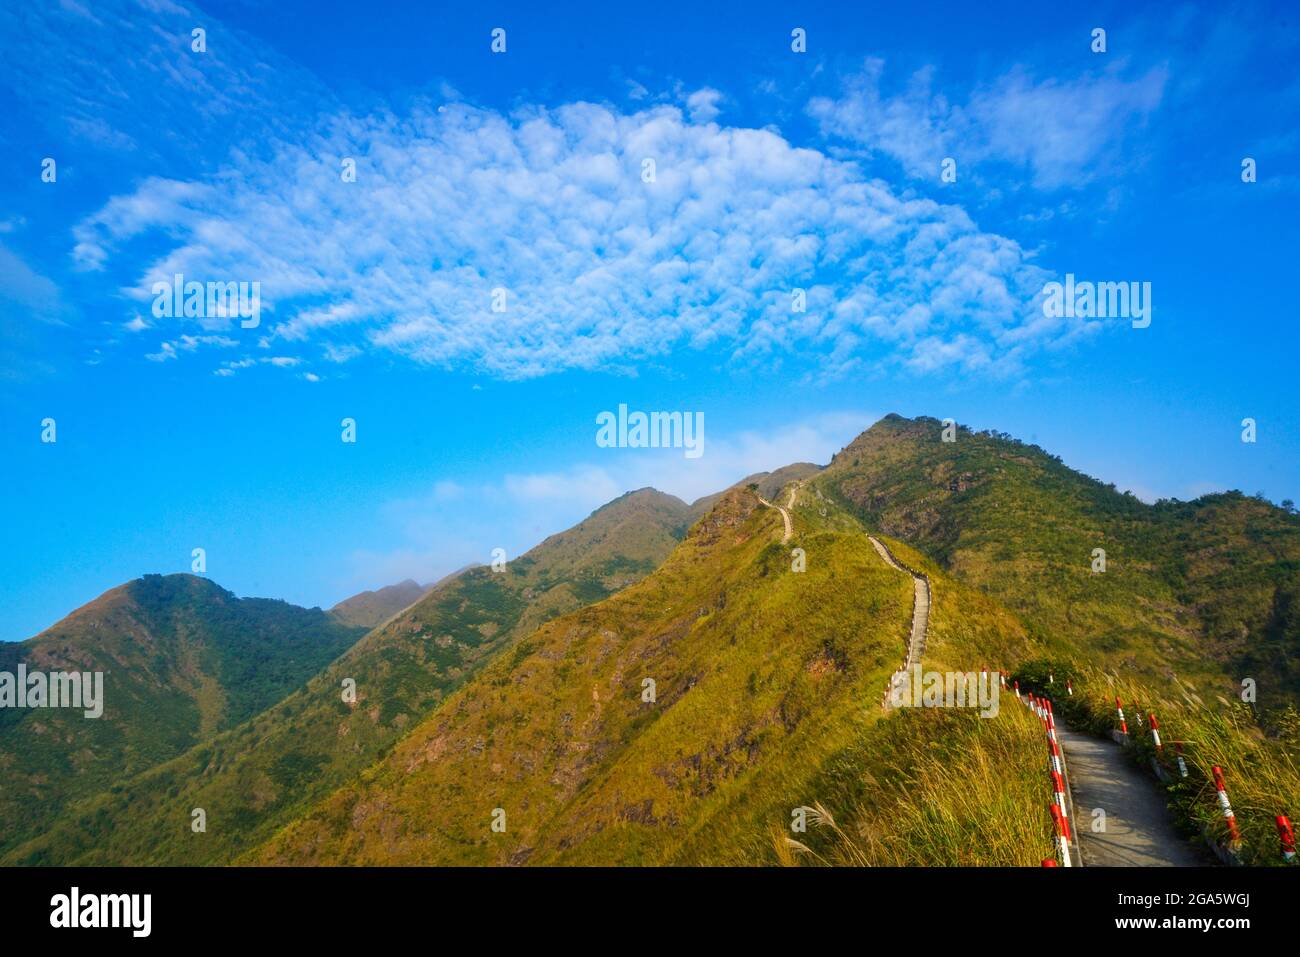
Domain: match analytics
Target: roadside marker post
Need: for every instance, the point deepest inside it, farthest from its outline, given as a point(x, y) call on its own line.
point(1062, 835)
point(1155, 732)
point(1123, 725)
point(1234, 835)
point(1288, 838)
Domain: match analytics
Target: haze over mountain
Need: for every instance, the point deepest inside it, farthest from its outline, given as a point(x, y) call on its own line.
point(183, 659)
point(370, 608)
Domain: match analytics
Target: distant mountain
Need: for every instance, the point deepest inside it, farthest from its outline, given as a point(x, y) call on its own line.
point(371, 608)
point(182, 659)
point(765, 682)
point(768, 483)
point(1209, 587)
point(253, 778)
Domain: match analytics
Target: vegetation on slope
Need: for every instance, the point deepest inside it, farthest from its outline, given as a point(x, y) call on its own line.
point(182, 659)
point(252, 779)
point(767, 685)
point(1206, 588)
point(936, 788)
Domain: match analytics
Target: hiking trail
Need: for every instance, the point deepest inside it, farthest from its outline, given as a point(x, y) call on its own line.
point(920, 604)
point(1138, 832)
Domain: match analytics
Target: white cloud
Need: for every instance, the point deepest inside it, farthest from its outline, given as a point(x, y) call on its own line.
point(1065, 132)
point(702, 105)
point(600, 268)
point(188, 343)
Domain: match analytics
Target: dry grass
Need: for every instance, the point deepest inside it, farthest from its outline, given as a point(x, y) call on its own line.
point(941, 788)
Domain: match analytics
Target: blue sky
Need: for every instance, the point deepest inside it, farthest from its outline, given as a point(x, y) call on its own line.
point(523, 171)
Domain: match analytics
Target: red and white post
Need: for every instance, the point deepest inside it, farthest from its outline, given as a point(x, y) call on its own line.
point(1062, 834)
point(1234, 836)
point(1123, 725)
point(1288, 838)
point(1155, 732)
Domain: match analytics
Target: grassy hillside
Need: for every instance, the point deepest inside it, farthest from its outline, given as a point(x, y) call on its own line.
point(253, 778)
point(370, 609)
point(183, 659)
point(767, 686)
point(1206, 589)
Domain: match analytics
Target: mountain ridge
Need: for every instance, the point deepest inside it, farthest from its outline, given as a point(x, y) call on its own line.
point(182, 659)
point(257, 773)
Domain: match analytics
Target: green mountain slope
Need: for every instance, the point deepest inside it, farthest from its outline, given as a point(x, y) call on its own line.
point(182, 660)
point(253, 778)
point(765, 680)
point(1206, 588)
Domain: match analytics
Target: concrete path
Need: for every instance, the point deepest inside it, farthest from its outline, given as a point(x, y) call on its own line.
point(1138, 832)
point(920, 605)
point(920, 618)
point(785, 515)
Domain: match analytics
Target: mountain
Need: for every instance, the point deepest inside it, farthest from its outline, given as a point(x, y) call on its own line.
point(768, 484)
point(1208, 588)
point(253, 778)
point(761, 674)
point(665, 684)
point(181, 659)
point(371, 608)
point(766, 682)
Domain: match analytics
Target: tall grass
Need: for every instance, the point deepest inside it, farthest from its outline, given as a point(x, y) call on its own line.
point(938, 787)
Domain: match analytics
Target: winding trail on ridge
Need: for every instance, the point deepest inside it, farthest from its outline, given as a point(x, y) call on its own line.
point(1138, 831)
point(785, 513)
point(920, 605)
